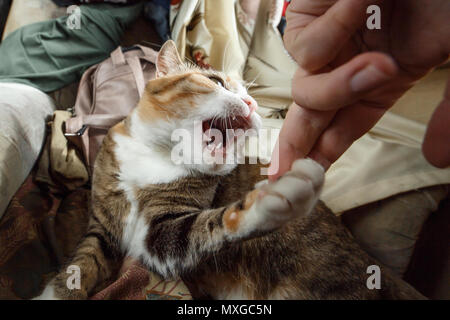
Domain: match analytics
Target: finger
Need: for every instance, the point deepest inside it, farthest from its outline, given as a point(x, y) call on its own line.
point(348, 125)
point(345, 84)
point(301, 129)
point(300, 13)
point(436, 144)
point(314, 42)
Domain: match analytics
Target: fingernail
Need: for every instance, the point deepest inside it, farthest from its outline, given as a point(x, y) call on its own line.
point(368, 78)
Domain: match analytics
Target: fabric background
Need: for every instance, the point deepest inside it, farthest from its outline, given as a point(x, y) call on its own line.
point(24, 111)
point(37, 54)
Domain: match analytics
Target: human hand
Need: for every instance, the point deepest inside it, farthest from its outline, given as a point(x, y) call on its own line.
point(349, 75)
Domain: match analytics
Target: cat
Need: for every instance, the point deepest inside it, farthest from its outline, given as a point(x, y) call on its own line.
point(207, 223)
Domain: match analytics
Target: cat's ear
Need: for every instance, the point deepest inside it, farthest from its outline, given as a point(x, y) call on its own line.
point(168, 59)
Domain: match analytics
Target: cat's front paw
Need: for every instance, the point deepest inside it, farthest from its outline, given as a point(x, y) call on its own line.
point(270, 206)
point(294, 195)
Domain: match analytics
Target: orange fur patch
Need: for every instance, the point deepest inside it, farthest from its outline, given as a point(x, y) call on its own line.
point(172, 96)
point(120, 128)
point(251, 198)
point(233, 215)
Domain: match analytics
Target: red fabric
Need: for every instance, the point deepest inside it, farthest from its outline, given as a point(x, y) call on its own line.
point(285, 5)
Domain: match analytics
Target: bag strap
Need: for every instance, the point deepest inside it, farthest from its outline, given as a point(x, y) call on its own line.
point(136, 68)
point(75, 128)
point(118, 57)
point(150, 55)
point(77, 125)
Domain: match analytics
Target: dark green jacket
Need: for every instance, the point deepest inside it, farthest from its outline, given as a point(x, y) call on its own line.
point(49, 55)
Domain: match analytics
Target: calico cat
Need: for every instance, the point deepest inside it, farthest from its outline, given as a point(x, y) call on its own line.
point(207, 223)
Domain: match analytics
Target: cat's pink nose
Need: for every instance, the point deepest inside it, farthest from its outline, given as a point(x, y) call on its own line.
point(252, 105)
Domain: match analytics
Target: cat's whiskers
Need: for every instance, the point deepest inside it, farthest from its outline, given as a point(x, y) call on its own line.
point(224, 123)
point(253, 81)
point(214, 119)
point(229, 120)
point(211, 125)
point(190, 61)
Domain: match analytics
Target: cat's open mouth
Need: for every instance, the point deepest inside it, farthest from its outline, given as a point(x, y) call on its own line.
point(226, 131)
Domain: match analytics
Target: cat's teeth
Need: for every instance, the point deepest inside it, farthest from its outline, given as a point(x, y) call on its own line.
point(234, 118)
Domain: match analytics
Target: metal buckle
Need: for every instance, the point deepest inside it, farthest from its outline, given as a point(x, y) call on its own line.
point(78, 133)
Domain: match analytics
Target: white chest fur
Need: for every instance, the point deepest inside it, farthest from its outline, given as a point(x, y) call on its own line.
point(139, 167)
